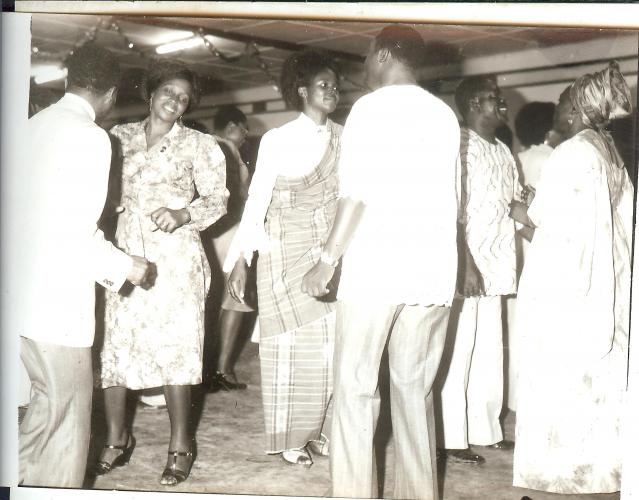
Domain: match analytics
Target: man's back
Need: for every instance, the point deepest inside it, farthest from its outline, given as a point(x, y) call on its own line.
point(67, 167)
point(400, 145)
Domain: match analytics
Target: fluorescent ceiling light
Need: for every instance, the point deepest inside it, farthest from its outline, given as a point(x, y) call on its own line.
point(187, 43)
point(49, 74)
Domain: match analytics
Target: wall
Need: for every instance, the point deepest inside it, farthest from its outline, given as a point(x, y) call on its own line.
point(537, 74)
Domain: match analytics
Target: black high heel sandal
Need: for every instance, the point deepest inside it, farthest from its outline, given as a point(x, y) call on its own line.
point(172, 475)
point(104, 467)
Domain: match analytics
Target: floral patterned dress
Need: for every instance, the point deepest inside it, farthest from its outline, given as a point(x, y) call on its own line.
point(154, 337)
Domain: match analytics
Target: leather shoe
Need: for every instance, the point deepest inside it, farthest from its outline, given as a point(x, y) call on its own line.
point(504, 444)
point(225, 382)
point(465, 456)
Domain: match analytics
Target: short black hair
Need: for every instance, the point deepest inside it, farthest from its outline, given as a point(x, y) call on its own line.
point(533, 122)
point(93, 68)
point(469, 88)
point(228, 114)
point(162, 72)
point(299, 70)
point(404, 43)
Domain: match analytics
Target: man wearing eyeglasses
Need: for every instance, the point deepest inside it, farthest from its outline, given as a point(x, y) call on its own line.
point(472, 390)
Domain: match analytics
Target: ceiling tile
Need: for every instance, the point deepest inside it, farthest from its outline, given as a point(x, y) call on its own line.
point(353, 44)
point(56, 34)
point(282, 30)
point(219, 23)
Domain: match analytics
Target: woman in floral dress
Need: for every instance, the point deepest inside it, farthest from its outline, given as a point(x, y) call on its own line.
point(154, 337)
point(289, 212)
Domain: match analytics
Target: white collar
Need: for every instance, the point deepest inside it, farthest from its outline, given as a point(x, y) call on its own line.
point(306, 122)
point(82, 102)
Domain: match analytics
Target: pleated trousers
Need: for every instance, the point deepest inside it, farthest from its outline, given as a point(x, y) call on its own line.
point(415, 346)
point(54, 434)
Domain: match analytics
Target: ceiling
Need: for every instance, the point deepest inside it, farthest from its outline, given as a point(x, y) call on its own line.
point(253, 50)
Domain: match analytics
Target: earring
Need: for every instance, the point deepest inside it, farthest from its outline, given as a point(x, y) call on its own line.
point(570, 121)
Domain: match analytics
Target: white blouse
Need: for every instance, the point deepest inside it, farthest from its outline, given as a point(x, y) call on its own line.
point(292, 150)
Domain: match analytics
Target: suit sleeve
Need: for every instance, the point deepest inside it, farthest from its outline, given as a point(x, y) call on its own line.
point(92, 157)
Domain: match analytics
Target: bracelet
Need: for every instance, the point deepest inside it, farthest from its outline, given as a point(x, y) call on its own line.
point(326, 259)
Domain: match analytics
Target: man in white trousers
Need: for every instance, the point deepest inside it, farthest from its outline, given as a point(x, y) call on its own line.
point(66, 171)
point(472, 373)
point(397, 214)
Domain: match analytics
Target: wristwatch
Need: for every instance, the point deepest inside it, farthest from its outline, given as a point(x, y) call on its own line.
point(326, 259)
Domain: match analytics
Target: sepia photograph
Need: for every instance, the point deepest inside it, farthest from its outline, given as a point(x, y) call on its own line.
point(310, 250)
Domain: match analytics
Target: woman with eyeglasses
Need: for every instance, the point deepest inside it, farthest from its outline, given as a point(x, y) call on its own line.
point(289, 212)
point(573, 309)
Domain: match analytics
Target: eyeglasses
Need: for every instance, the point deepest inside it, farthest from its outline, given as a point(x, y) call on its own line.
point(495, 98)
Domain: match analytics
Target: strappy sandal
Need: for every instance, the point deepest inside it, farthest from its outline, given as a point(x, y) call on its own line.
point(319, 447)
point(172, 475)
point(301, 457)
point(104, 467)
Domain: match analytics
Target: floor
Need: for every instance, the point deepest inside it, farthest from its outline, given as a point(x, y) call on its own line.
point(230, 458)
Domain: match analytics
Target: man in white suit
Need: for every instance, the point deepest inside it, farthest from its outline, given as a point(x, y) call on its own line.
point(66, 172)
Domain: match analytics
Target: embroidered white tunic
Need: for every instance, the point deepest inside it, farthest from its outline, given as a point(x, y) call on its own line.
point(491, 182)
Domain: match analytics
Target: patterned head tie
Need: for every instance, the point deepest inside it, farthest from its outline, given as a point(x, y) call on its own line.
point(601, 97)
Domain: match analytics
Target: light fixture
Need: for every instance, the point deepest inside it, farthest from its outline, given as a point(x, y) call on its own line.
point(49, 74)
point(187, 43)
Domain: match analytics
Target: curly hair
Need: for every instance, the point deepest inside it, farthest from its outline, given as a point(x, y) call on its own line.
point(404, 43)
point(93, 68)
point(299, 70)
point(533, 122)
point(164, 71)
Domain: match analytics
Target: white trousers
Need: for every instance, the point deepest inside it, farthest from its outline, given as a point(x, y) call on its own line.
point(54, 434)
point(510, 304)
point(472, 388)
point(414, 349)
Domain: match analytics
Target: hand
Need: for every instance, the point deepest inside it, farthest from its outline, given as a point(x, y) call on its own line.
point(519, 212)
point(469, 280)
point(472, 283)
point(236, 281)
point(142, 272)
point(169, 220)
point(233, 149)
point(527, 232)
point(528, 194)
point(315, 281)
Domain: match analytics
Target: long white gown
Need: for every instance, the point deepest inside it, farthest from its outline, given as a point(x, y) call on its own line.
point(573, 321)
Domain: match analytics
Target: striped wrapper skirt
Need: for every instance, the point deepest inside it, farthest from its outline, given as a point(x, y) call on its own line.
point(297, 384)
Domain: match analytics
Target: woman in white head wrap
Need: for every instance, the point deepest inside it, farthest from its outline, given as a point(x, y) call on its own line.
point(574, 300)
